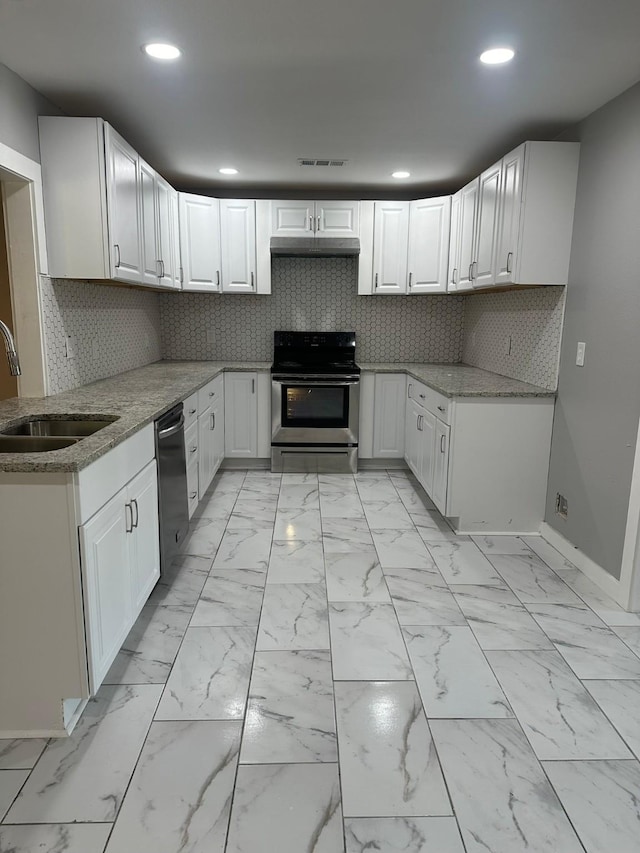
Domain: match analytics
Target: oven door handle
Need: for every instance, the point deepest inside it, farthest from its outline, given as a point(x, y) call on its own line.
point(337, 383)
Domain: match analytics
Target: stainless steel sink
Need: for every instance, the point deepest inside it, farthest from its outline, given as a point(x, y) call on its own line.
point(43, 426)
point(34, 443)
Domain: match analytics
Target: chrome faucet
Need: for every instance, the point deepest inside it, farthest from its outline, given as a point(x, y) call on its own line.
point(10, 346)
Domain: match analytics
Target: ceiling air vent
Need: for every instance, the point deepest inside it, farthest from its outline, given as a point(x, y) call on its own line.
point(317, 162)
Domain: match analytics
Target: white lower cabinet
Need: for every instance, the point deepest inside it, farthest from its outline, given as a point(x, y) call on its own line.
point(120, 565)
point(241, 415)
point(206, 451)
point(440, 447)
point(388, 416)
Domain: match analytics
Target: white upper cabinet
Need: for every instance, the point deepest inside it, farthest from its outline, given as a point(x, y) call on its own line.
point(238, 245)
point(123, 201)
point(454, 242)
point(466, 235)
point(390, 242)
point(315, 218)
point(149, 225)
point(200, 242)
point(174, 236)
point(486, 227)
point(508, 215)
point(167, 236)
point(429, 223)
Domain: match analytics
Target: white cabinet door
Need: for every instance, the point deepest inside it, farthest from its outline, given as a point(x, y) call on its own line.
point(466, 239)
point(104, 543)
point(337, 218)
point(413, 448)
point(144, 540)
point(292, 218)
point(240, 415)
point(438, 493)
point(206, 451)
point(174, 237)
point(148, 225)
point(238, 245)
point(454, 244)
point(428, 257)
point(427, 429)
point(509, 209)
point(388, 416)
point(123, 193)
point(487, 220)
point(217, 412)
point(164, 212)
point(390, 243)
point(200, 242)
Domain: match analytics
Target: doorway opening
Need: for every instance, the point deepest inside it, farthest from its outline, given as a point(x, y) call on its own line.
point(8, 383)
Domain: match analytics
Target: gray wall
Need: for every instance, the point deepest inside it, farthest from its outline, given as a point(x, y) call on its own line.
point(598, 406)
point(20, 106)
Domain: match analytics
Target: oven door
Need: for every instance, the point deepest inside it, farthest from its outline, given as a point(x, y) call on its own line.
point(314, 411)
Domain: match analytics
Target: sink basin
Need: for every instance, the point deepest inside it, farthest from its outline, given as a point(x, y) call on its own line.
point(34, 443)
point(43, 426)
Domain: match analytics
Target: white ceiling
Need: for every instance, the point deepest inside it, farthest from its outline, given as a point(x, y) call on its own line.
point(387, 84)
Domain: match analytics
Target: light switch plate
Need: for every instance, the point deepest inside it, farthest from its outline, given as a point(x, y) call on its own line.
point(70, 347)
point(580, 353)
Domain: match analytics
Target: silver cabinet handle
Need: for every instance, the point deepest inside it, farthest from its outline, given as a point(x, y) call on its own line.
point(453, 275)
point(217, 278)
point(376, 281)
point(135, 503)
point(442, 443)
point(409, 387)
point(128, 507)
point(509, 259)
point(474, 266)
point(253, 386)
point(192, 411)
point(117, 248)
point(318, 223)
point(213, 420)
point(193, 495)
point(193, 449)
point(311, 228)
point(161, 265)
point(252, 282)
point(471, 271)
point(181, 275)
point(420, 423)
point(441, 408)
point(410, 277)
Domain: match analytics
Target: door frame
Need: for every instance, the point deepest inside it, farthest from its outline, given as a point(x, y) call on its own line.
point(630, 569)
point(22, 201)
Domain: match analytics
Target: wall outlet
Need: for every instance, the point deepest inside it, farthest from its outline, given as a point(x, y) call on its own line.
point(562, 505)
point(580, 353)
point(70, 347)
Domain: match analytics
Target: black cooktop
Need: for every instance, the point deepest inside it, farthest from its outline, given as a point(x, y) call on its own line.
point(314, 352)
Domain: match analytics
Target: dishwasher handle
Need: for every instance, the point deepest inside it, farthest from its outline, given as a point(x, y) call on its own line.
point(172, 430)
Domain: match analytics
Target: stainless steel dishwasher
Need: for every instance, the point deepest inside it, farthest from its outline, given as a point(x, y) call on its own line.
point(172, 484)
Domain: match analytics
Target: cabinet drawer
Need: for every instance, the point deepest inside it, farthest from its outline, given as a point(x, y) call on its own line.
point(192, 486)
point(212, 391)
point(190, 410)
point(191, 443)
point(432, 401)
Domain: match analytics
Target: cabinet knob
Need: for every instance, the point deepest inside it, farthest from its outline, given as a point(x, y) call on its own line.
point(193, 495)
point(441, 408)
point(212, 393)
point(192, 449)
point(422, 396)
point(192, 411)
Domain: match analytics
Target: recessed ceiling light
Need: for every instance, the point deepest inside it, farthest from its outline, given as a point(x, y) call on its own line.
point(497, 55)
point(400, 174)
point(228, 171)
point(162, 51)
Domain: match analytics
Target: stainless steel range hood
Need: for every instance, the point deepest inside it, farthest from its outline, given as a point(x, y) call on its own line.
point(315, 247)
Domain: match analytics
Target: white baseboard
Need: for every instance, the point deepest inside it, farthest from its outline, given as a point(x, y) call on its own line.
point(592, 570)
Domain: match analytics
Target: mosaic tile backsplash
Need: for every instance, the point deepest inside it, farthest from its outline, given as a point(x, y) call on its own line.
point(531, 318)
point(112, 329)
point(310, 294)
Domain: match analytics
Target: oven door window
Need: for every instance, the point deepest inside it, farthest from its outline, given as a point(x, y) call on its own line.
point(315, 405)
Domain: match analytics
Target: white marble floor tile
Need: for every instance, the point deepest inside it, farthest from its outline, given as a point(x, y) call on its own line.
point(620, 701)
point(290, 715)
point(630, 636)
point(296, 562)
point(401, 549)
point(463, 563)
point(299, 479)
point(180, 793)
point(366, 642)
point(342, 481)
point(228, 481)
point(601, 799)
point(403, 835)
point(10, 783)
point(255, 485)
point(375, 486)
point(216, 506)
point(182, 582)
point(604, 606)
point(346, 535)
point(204, 537)
point(388, 764)
point(244, 548)
point(83, 778)
point(498, 620)
point(253, 514)
point(294, 616)
point(210, 677)
point(421, 597)
point(501, 545)
point(590, 648)
point(336, 504)
point(413, 496)
point(557, 714)
point(381, 515)
point(502, 799)
point(298, 525)
point(150, 649)
point(453, 676)
point(299, 497)
point(547, 553)
point(532, 580)
point(21, 753)
point(433, 528)
point(230, 597)
point(355, 576)
point(55, 838)
point(295, 806)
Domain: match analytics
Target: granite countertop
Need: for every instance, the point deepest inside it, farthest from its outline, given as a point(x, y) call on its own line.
point(462, 380)
point(136, 398)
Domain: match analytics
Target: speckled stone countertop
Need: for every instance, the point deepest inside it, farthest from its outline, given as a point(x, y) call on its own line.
point(462, 380)
point(136, 398)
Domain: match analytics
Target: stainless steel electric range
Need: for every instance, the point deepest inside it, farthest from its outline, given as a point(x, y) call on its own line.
point(315, 399)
